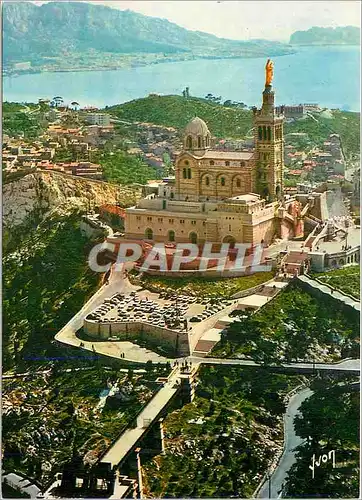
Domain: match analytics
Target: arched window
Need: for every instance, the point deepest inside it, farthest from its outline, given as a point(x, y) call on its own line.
point(172, 195)
point(238, 183)
point(212, 162)
point(207, 181)
point(171, 235)
point(193, 237)
point(149, 234)
point(227, 163)
point(189, 173)
point(264, 133)
point(260, 133)
point(222, 181)
point(199, 142)
point(184, 173)
point(189, 142)
point(269, 134)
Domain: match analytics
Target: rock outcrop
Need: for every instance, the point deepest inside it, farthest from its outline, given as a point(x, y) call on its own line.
point(42, 192)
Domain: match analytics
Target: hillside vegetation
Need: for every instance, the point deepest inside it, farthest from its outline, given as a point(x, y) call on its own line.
point(294, 326)
point(46, 280)
point(177, 111)
point(346, 279)
point(226, 122)
point(17, 123)
point(344, 123)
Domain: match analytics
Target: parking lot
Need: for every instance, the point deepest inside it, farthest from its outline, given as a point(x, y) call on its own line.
point(176, 312)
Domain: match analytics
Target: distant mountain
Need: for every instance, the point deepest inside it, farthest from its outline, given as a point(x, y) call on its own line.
point(65, 29)
point(344, 35)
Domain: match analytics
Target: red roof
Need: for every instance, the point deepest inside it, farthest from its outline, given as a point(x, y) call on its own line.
point(112, 209)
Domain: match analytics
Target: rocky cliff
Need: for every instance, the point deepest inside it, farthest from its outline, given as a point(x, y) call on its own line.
point(42, 192)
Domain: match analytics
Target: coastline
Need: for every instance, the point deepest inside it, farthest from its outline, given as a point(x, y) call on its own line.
point(131, 65)
point(321, 44)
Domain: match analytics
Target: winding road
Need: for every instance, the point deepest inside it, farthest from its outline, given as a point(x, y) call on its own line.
point(273, 486)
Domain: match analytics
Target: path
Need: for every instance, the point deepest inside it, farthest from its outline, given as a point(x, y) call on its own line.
point(348, 365)
point(291, 441)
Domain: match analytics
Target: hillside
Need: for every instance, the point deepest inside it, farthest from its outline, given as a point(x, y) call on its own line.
point(176, 111)
point(82, 32)
point(225, 122)
point(46, 280)
point(41, 192)
point(342, 35)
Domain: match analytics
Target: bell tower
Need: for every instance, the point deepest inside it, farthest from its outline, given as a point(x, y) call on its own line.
point(269, 143)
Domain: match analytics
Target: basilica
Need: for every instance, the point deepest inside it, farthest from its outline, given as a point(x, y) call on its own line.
point(220, 196)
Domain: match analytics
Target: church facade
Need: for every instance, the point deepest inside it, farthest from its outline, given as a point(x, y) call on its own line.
point(221, 196)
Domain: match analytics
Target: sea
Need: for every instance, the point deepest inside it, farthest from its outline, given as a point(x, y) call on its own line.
point(327, 75)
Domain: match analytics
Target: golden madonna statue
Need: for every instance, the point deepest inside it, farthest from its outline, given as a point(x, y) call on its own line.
point(269, 72)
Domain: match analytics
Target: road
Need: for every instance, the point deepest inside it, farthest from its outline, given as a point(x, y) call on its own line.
point(291, 441)
point(116, 284)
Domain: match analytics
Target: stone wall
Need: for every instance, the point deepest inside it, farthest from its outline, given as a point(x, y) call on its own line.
point(207, 324)
point(172, 338)
point(319, 289)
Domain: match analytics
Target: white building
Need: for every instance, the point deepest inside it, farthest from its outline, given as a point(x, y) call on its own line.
point(98, 119)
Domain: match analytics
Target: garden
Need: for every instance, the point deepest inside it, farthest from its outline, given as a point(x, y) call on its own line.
point(205, 287)
point(294, 326)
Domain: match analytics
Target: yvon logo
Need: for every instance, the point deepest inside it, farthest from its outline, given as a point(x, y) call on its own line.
point(323, 459)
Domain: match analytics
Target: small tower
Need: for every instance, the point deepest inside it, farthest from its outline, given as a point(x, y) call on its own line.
point(197, 137)
point(269, 143)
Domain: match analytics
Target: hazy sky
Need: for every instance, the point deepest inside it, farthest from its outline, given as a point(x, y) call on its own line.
point(249, 19)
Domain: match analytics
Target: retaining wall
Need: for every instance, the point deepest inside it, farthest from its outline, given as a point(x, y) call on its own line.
point(173, 338)
point(319, 289)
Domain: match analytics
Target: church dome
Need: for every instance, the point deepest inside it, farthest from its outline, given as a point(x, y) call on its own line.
point(197, 127)
point(197, 136)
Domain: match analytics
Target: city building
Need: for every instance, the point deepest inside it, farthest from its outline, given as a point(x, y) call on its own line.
point(97, 119)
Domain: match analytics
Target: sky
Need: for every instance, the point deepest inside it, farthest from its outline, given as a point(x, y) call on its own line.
point(242, 20)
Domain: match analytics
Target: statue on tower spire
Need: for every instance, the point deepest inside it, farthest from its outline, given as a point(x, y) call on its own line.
point(269, 72)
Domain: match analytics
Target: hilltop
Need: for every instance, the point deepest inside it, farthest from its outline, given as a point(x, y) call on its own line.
point(342, 35)
point(232, 122)
point(176, 111)
point(69, 35)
